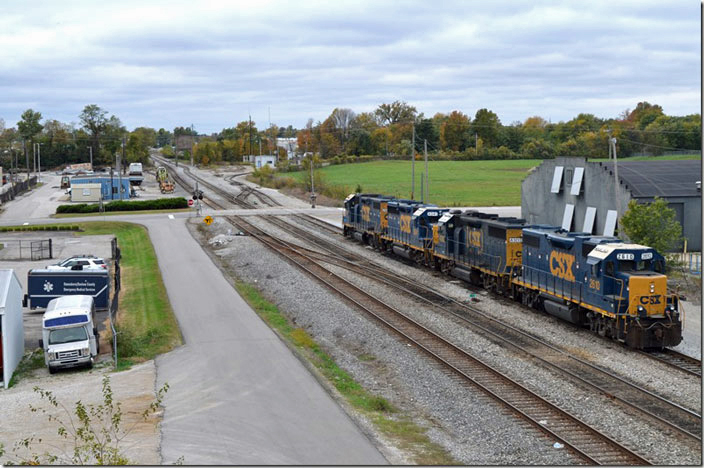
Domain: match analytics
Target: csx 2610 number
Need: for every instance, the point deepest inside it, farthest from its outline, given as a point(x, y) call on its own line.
point(594, 284)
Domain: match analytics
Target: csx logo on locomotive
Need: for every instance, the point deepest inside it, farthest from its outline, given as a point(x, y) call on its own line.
point(646, 300)
point(405, 223)
point(366, 211)
point(561, 265)
point(475, 238)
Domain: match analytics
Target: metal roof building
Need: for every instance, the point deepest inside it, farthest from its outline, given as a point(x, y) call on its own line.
point(580, 195)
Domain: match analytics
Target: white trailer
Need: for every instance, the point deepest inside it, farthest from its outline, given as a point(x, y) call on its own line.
point(69, 333)
point(11, 327)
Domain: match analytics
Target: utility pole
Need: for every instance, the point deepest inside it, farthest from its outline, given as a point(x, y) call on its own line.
point(608, 131)
point(90, 148)
point(427, 181)
point(39, 156)
point(413, 160)
point(476, 137)
point(312, 184)
point(34, 158)
point(26, 156)
point(618, 190)
point(119, 169)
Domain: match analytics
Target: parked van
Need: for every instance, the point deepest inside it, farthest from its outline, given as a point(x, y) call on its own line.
point(69, 333)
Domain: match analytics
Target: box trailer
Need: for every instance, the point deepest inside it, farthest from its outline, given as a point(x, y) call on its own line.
point(45, 285)
point(11, 325)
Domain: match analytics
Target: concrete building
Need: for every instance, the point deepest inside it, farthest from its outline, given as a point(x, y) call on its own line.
point(105, 182)
point(580, 195)
point(264, 159)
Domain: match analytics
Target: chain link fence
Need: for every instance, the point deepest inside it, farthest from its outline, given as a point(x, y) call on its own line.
point(24, 249)
point(114, 304)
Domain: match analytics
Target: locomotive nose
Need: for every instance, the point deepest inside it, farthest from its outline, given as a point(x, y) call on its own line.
point(647, 295)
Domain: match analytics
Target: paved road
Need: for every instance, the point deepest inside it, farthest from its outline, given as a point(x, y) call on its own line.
point(238, 396)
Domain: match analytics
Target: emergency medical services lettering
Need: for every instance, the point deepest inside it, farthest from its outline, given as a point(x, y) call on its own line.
point(77, 287)
point(561, 265)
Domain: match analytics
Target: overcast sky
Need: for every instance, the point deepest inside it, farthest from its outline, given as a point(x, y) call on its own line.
point(210, 64)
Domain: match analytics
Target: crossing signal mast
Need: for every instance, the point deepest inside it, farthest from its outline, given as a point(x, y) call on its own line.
point(198, 196)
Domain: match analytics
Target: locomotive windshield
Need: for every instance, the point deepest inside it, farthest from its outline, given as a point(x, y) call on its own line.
point(632, 265)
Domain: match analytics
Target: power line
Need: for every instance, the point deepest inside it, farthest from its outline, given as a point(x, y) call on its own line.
point(657, 146)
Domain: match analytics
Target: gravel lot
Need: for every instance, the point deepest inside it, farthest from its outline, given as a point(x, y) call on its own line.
point(134, 388)
point(461, 419)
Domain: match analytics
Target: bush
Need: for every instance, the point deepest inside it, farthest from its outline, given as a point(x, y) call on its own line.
point(121, 205)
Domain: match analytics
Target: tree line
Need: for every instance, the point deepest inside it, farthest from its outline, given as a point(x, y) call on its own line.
point(99, 137)
point(388, 131)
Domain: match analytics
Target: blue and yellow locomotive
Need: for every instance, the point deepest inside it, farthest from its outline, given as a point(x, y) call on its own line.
point(617, 290)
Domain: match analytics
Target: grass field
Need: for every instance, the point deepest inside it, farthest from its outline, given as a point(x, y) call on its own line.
point(146, 322)
point(452, 183)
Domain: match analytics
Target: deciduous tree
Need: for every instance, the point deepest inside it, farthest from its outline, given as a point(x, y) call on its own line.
point(652, 224)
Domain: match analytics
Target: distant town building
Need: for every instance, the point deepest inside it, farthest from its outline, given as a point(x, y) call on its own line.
point(288, 144)
point(263, 160)
point(581, 196)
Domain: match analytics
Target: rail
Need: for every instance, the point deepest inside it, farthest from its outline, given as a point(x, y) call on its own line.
point(584, 441)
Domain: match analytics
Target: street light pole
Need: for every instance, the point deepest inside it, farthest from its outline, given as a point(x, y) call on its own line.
point(39, 156)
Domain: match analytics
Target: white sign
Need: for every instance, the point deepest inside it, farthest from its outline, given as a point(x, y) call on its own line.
point(517, 240)
point(646, 256)
point(625, 256)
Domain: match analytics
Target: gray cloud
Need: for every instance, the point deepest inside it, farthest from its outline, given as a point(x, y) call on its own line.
point(211, 63)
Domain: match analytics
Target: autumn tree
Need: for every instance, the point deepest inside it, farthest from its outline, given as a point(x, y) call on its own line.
point(454, 133)
point(397, 111)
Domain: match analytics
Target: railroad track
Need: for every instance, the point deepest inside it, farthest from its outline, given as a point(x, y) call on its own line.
point(585, 442)
point(671, 358)
point(661, 411)
point(677, 360)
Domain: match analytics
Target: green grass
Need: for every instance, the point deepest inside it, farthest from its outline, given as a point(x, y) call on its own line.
point(113, 213)
point(401, 429)
point(452, 183)
point(146, 322)
point(29, 363)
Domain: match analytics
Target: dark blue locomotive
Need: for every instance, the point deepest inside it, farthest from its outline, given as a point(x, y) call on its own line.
point(617, 290)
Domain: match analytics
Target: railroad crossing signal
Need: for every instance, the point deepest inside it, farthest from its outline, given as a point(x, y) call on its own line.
point(208, 220)
point(190, 202)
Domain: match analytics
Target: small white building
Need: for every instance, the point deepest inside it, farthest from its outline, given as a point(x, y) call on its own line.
point(264, 159)
point(289, 144)
point(11, 327)
point(84, 193)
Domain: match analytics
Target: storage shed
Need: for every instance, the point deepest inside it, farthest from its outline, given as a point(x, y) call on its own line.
point(109, 186)
point(581, 195)
point(11, 327)
point(262, 160)
point(86, 193)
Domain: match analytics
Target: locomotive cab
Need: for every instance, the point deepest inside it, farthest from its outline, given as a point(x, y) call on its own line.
point(633, 276)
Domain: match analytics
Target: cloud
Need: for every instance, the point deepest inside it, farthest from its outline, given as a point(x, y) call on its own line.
point(163, 64)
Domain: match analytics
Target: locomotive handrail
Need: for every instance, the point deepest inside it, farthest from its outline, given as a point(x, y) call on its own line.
point(620, 294)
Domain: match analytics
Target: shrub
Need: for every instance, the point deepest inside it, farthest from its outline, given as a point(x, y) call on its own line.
point(122, 205)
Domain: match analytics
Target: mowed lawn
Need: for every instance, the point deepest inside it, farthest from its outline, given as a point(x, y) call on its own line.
point(452, 183)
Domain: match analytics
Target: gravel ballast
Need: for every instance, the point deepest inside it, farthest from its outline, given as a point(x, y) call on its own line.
point(473, 428)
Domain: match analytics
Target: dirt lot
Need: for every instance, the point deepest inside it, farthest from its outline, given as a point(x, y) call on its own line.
point(133, 388)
